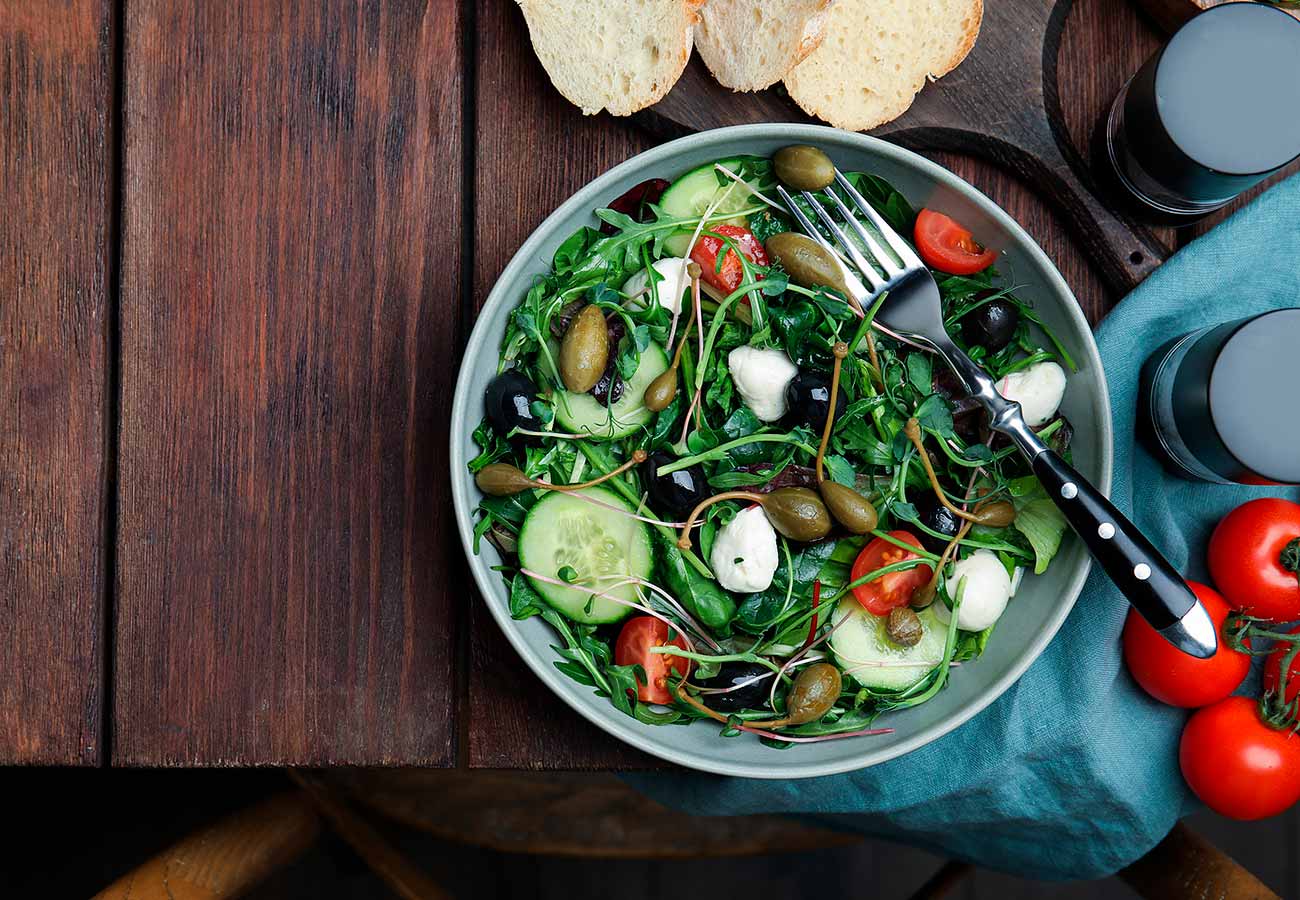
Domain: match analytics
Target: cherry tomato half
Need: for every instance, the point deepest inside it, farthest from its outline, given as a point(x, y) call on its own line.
point(1178, 678)
point(1253, 557)
point(1273, 670)
point(892, 589)
point(633, 649)
point(1238, 764)
point(947, 245)
point(729, 276)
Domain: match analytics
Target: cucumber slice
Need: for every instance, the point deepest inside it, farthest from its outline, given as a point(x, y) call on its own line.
point(563, 530)
point(863, 649)
point(692, 194)
point(584, 414)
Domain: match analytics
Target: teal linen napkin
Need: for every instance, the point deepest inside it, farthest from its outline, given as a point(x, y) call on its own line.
point(1073, 772)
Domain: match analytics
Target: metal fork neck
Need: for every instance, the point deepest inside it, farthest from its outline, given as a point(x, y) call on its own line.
point(1004, 415)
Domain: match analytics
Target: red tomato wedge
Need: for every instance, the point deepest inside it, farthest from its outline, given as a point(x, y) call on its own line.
point(636, 639)
point(1254, 554)
point(892, 589)
point(729, 275)
point(1178, 678)
point(947, 245)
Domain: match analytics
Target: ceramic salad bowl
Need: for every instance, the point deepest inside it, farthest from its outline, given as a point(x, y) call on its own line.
point(1041, 602)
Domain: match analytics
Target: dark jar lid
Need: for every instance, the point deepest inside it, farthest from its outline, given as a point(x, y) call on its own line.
point(1218, 108)
point(1235, 398)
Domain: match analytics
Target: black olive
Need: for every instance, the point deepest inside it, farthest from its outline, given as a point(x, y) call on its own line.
point(991, 325)
point(751, 696)
point(508, 400)
point(610, 387)
point(676, 493)
point(936, 517)
point(808, 396)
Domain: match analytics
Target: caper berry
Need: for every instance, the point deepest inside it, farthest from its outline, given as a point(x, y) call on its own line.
point(798, 513)
point(502, 480)
point(997, 514)
point(660, 392)
point(850, 509)
point(803, 168)
point(813, 693)
point(904, 627)
point(584, 350)
point(807, 262)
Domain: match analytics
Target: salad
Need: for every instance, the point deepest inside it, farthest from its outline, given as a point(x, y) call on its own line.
point(728, 495)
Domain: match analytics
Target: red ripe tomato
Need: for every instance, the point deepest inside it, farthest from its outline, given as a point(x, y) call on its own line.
point(727, 278)
point(1254, 555)
point(1273, 671)
point(1241, 766)
point(633, 649)
point(947, 245)
point(892, 589)
point(1178, 678)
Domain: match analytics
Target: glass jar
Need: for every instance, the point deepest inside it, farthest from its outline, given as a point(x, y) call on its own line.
point(1219, 404)
point(1211, 114)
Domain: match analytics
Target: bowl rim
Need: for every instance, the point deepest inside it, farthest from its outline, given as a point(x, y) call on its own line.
point(505, 290)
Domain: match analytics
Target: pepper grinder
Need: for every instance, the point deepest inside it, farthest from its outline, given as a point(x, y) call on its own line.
point(1211, 114)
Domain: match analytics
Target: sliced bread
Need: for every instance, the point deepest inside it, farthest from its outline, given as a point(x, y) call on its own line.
point(878, 53)
point(619, 55)
point(751, 44)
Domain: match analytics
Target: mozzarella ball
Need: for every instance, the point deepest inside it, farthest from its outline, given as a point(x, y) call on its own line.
point(984, 594)
point(744, 557)
point(1038, 389)
point(761, 377)
point(674, 281)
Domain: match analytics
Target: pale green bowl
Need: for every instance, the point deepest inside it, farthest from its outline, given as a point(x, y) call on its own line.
point(1042, 602)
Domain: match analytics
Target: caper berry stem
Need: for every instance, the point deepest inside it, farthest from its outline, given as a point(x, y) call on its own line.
point(994, 514)
point(504, 480)
point(841, 350)
point(684, 541)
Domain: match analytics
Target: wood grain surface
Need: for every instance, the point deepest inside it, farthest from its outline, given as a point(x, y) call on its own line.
point(290, 289)
point(513, 721)
point(56, 142)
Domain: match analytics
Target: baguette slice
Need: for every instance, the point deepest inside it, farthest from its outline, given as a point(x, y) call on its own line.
point(751, 44)
point(878, 53)
point(619, 55)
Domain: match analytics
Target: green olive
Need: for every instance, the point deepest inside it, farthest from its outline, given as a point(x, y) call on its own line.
point(584, 350)
point(661, 391)
point(798, 513)
point(904, 627)
point(807, 262)
point(925, 594)
point(998, 515)
point(502, 480)
point(850, 509)
point(813, 693)
point(803, 168)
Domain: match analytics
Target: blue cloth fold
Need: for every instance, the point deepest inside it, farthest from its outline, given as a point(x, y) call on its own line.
point(1073, 772)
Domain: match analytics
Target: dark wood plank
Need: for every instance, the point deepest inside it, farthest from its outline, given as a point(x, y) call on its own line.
point(515, 722)
point(291, 283)
point(56, 169)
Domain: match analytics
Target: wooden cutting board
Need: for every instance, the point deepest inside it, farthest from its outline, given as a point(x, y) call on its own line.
point(1001, 104)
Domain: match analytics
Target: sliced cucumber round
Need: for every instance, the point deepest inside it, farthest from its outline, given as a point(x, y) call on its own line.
point(584, 414)
point(566, 538)
point(692, 194)
point(863, 649)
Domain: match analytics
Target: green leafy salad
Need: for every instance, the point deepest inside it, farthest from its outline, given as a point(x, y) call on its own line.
point(731, 497)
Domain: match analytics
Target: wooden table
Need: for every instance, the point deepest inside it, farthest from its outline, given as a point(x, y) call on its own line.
point(242, 246)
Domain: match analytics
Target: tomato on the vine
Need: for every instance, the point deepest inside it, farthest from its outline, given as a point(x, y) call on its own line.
point(893, 589)
point(1273, 670)
point(727, 276)
point(633, 647)
point(1254, 558)
point(1178, 678)
point(1241, 766)
point(947, 245)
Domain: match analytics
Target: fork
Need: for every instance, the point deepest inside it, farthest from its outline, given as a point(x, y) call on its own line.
point(911, 311)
